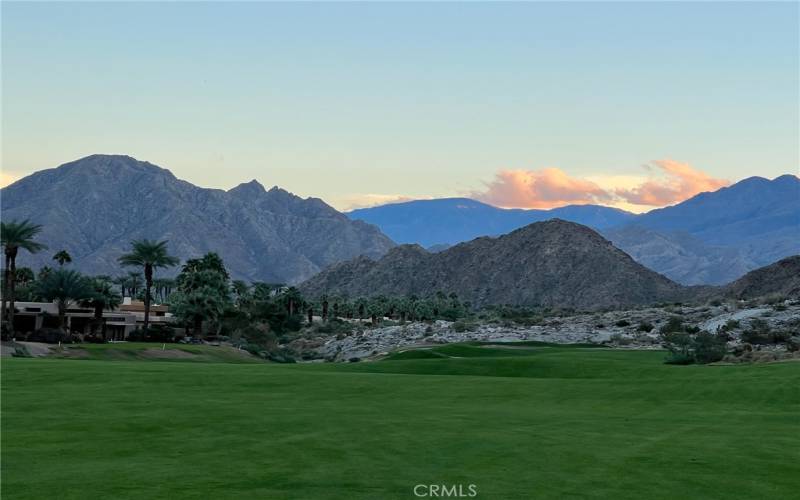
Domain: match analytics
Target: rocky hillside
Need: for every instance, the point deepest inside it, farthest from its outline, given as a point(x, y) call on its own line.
point(781, 278)
point(552, 263)
point(95, 206)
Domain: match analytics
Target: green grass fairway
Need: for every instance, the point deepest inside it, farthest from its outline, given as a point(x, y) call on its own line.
point(526, 422)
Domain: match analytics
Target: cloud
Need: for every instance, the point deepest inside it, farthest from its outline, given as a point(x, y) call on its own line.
point(545, 188)
point(678, 182)
point(669, 182)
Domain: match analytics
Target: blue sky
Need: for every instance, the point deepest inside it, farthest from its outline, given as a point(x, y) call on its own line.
point(358, 103)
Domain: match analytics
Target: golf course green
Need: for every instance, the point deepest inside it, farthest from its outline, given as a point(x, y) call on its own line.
point(516, 422)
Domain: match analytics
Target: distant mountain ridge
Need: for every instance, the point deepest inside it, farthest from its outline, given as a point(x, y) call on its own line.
point(711, 238)
point(447, 221)
point(552, 263)
point(717, 237)
point(95, 206)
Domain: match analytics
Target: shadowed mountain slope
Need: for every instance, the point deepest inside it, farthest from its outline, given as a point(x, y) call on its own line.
point(552, 263)
point(95, 206)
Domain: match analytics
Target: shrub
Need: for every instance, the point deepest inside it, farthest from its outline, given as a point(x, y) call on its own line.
point(622, 323)
point(731, 324)
point(686, 348)
point(334, 326)
point(48, 335)
point(673, 325)
point(463, 326)
point(677, 358)
point(709, 348)
point(759, 332)
point(645, 327)
point(155, 333)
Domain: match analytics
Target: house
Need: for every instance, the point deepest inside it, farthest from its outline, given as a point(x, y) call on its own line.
point(32, 316)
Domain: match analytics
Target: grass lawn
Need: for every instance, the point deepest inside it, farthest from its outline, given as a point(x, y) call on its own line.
point(519, 423)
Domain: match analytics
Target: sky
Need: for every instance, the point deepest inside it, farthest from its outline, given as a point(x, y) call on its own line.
point(534, 105)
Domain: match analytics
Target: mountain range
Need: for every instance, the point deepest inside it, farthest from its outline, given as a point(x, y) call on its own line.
point(552, 263)
point(447, 221)
point(94, 207)
point(711, 238)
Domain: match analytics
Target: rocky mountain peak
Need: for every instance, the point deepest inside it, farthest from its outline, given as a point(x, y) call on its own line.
point(553, 263)
point(248, 189)
point(93, 207)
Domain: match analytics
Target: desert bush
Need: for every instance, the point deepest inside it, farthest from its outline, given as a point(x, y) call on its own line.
point(709, 348)
point(463, 326)
point(673, 325)
point(759, 332)
point(687, 348)
point(731, 324)
point(260, 336)
point(334, 326)
point(646, 327)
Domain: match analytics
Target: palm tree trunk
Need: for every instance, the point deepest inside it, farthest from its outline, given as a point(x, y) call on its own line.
point(12, 278)
point(198, 326)
point(98, 319)
point(3, 318)
point(148, 283)
point(62, 313)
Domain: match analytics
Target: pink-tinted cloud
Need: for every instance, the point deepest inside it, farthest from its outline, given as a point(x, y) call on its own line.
point(545, 188)
point(679, 181)
point(670, 182)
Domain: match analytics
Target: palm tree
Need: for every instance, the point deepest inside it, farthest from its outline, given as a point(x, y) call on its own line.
point(62, 257)
point(121, 282)
point(149, 255)
point(133, 283)
point(102, 297)
point(64, 286)
point(292, 298)
point(25, 276)
point(13, 236)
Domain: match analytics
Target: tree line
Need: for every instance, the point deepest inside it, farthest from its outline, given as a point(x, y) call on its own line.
point(202, 298)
